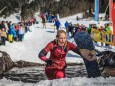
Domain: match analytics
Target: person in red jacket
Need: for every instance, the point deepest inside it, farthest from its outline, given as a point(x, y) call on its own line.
point(58, 48)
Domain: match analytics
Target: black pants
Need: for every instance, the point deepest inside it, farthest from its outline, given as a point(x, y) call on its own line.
point(3, 40)
point(57, 28)
point(20, 37)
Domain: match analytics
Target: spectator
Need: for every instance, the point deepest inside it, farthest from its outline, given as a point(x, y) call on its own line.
point(66, 26)
point(57, 24)
point(3, 37)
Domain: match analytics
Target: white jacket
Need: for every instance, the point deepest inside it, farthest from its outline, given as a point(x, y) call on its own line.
point(22, 30)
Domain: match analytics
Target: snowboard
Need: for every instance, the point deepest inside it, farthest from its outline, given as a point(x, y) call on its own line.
point(86, 47)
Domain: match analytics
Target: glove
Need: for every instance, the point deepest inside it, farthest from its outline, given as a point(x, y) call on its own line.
point(49, 62)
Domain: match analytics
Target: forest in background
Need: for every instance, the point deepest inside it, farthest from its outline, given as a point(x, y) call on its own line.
point(63, 7)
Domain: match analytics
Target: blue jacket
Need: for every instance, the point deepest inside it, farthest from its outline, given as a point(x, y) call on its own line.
point(66, 24)
point(12, 31)
point(57, 24)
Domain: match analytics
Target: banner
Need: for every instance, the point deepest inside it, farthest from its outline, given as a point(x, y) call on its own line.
point(96, 10)
point(102, 36)
point(113, 20)
point(110, 9)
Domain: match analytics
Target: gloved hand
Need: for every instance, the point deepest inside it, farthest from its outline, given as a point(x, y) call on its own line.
point(49, 62)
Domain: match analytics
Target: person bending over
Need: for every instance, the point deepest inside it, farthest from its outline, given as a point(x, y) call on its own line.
point(58, 48)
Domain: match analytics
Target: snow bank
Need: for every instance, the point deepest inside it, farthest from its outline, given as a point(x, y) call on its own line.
point(79, 81)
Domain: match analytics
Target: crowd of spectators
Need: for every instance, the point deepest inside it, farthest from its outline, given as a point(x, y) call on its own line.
point(14, 31)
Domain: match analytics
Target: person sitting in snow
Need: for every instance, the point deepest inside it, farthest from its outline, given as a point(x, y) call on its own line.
point(58, 48)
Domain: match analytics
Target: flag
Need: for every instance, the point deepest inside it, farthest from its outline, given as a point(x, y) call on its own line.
point(110, 9)
point(113, 20)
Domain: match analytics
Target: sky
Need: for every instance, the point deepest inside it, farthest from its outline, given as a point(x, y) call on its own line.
point(35, 41)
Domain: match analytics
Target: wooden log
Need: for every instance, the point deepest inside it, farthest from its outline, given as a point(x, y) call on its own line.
point(23, 63)
point(5, 62)
point(108, 72)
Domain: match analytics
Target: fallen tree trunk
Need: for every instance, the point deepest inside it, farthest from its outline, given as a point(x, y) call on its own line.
point(23, 63)
point(107, 63)
point(6, 63)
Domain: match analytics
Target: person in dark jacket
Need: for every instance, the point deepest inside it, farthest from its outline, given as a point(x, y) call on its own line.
point(58, 48)
point(71, 29)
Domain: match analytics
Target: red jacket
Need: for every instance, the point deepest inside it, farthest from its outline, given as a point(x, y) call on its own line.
point(58, 53)
point(17, 27)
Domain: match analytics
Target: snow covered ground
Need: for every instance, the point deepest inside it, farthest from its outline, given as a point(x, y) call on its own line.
point(35, 41)
point(14, 18)
point(78, 81)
